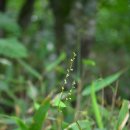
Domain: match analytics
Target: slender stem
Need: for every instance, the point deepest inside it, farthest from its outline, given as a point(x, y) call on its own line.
point(114, 96)
point(79, 87)
point(78, 125)
point(78, 103)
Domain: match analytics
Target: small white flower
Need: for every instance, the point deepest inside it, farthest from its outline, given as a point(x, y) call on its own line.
point(67, 75)
point(69, 93)
point(74, 54)
point(73, 83)
point(65, 81)
point(62, 87)
point(71, 69)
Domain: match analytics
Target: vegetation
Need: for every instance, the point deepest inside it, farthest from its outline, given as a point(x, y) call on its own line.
point(64, 65)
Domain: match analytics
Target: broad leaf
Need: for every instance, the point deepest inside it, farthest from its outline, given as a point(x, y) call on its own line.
point(12, 48)
point(40, 115)
point(100, 84)
point(9, 25)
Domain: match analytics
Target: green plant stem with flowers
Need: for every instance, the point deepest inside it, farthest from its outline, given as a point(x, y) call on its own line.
point(69, 70)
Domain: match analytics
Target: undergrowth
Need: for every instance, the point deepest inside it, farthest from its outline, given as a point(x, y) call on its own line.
point(50, 113)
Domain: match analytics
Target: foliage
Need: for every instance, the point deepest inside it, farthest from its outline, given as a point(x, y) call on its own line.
point(95, 107)
point(9, 25)
point(113, 32)
point(41, 87)
point(102, 83)
point(123, 115)
point(40, 115)
point(12, 48)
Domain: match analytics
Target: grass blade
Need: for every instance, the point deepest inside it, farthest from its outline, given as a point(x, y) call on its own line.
point(30, 69)
point(123, 115)
point(19, 122)
point(53, 65)
point(100, 84)
point(80, 125)
point(40, 115)
point(96, 108)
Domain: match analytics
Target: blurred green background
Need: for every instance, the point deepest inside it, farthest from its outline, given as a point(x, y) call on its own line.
point(37, 41)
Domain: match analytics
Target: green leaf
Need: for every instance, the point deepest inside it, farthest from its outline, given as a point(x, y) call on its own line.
point(89, 62)
point(30, 69)
point(56, 102)
point(40, 115)
point(95, 107)
point(84, 125)
point(123, 115)
point(12, 119)
point(53, 65)
point(5, 62)
point(100, 84)
point(4, 86)
point(36, 105)
point(9, 25)
point(20, 123)
point(12, 48)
